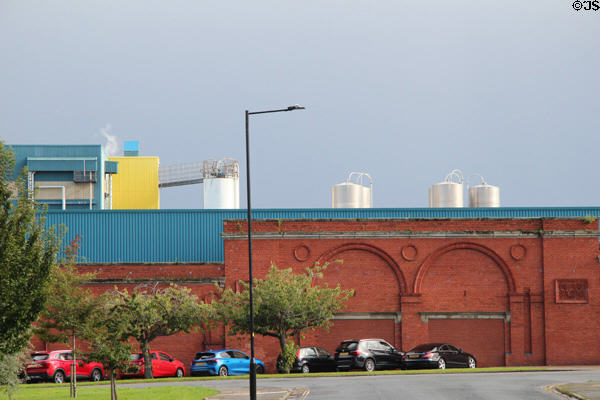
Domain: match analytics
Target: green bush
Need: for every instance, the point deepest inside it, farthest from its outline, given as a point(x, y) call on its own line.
point(288, 355)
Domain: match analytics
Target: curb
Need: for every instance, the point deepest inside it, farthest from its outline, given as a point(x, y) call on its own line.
point(555, 390)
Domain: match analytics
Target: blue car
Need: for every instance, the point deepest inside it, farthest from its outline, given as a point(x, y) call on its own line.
point(223, 363)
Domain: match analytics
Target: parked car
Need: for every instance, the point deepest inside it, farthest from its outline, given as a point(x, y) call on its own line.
point(367, 354)
point(224, 362)
point(311, 359)
point(163, 365)
point(438, 355)
point(56, 366)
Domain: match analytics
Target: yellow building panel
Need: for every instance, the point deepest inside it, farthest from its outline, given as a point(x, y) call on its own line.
point(135, 186)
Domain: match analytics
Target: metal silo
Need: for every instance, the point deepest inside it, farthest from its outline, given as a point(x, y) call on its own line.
point(221, 186)
point(353, 194)
point(484, 195)
point(447, 194)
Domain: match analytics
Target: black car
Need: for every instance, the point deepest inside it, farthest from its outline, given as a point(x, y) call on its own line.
point(438, 355)
point(312, 359)
point(367, 354)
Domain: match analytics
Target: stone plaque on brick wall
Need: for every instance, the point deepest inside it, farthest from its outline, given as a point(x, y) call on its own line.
point(571, 290)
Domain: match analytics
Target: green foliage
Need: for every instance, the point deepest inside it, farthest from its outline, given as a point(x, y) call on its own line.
point(588, 219)
point(27, 258)
point(155, 312)
point(285, 304)
point(288, 355)
point(107, 332)
point(10, 367)
point(68, 306)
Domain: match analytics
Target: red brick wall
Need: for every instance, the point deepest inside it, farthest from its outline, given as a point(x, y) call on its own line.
point(571, 328)
point(350, 329)
point(505, 266)
point(482, 338)
point(481, 271)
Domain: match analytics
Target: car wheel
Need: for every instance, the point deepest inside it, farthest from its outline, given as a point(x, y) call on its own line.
point(96, 375)
point(223, 371)
point(441, 364)
point(305, 369)
point(369, 365)
point(179, 373)
point(59, 377)
point(472, 363)
point(260, 369)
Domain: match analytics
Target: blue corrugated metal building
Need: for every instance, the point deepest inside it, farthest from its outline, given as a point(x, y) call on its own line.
point(78, 171)
point(194, 236)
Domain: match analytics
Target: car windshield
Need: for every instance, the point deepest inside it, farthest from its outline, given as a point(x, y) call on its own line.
point(422, 348)
point(135, 357)
point(40, 356)
point(204, 356)
point(347, 346)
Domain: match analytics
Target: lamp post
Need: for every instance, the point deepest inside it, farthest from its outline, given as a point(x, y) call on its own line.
point(252, 361)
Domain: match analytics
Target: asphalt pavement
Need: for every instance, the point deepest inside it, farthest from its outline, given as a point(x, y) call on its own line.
point(529, 385)
point(453, 386)
point(262, 394)
point(586, 390)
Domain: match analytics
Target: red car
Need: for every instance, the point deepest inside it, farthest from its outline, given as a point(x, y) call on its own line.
point(163, 365)
point(56, 366)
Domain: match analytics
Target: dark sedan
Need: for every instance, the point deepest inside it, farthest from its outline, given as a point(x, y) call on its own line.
point(438, 355)
point(312, 359)
point(367, 354)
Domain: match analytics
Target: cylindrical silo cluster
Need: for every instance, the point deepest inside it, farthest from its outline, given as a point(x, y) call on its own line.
point(351, 194)
point(449, 193)
point(484, 195)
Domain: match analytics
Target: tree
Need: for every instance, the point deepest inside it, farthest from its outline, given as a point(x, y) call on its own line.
point(10, 367)
point(285, 304)
point(27, 257)
point(155, 312)
point(107, 331)
point(69, 307)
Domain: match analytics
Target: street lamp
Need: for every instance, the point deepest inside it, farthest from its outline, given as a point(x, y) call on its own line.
point(252, 361)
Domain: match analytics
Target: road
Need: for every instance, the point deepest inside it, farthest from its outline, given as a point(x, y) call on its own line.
point(469, 386)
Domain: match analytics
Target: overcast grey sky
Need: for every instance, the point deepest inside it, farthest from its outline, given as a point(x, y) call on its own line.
point(404, 90)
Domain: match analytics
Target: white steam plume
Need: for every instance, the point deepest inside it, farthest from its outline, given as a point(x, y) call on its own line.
point(112, 146)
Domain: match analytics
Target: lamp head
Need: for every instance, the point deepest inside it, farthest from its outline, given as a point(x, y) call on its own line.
point(295, 107)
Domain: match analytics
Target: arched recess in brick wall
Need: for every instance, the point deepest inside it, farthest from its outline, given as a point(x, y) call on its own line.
point(332, 254)
point(498, 261)
point(464, 298)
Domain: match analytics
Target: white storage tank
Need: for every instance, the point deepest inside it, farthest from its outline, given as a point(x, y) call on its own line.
point(221, 185)
point(447, 194)
point(484, 195)
point(353, 194)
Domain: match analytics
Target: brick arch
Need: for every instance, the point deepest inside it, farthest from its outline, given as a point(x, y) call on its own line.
point(510, 281)
point(329, 254)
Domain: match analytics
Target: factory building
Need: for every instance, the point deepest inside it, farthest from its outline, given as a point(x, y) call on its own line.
point(513, 286)
point(76, 177)
point(67, 176)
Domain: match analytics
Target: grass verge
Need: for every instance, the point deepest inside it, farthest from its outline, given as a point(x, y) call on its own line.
point(87, 392)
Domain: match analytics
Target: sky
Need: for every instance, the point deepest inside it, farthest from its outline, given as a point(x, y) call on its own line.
point(403, 90)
